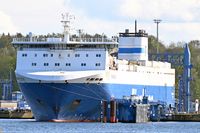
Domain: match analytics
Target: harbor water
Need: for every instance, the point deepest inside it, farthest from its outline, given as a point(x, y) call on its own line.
point(31, 126)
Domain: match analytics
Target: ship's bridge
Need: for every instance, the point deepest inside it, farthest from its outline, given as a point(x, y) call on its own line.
point(54, 43)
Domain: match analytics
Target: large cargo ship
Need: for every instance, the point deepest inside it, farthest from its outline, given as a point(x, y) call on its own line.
point(67, 78)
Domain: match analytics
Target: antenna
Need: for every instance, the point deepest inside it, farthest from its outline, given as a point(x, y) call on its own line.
point(80, 32)
point(66, 21)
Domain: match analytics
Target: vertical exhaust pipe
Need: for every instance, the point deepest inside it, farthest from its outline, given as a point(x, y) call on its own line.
point(135, 26)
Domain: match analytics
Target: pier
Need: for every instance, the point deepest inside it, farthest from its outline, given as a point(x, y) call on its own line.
point(191, 117)
point(16, 114)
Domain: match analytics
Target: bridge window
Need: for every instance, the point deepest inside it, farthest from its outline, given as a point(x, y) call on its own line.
point(24, 55)
point(45, 55)
point(68, 64)
point(83, 64)
point(98, 55)
point(68, 55)
point(98, 64)
point(51, 55)
point(46, 64)
point(34, 64)
point(35, 55)
point(77, 55)
point(57, 64)
point(86, 55)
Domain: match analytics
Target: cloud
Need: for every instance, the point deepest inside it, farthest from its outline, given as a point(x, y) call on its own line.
point(179, 17)
point(38, 16)
point(97, 9)
point(172, 10)
point(6, 24)
point(100, 26)
point(174, 32)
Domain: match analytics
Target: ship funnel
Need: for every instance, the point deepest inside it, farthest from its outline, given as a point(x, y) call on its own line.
point(133, 46)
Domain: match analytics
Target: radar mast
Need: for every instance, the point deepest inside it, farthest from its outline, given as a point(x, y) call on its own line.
point(66, 21)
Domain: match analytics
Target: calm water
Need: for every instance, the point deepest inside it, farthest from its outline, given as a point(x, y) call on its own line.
point(30, 126)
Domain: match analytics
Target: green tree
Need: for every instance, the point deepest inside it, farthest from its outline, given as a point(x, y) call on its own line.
point(153, 44)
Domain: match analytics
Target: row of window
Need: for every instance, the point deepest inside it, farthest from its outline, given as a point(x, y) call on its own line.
point(67, 64)
point(68, 55)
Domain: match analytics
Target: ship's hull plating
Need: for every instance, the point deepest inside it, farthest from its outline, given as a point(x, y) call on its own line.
point(81, 101)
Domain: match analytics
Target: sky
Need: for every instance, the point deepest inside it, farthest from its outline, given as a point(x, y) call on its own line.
point(180, 18)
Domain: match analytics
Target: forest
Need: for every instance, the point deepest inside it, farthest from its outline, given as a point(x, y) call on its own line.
point(8, 58)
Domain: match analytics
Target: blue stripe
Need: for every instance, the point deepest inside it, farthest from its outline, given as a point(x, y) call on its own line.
point(131, 50)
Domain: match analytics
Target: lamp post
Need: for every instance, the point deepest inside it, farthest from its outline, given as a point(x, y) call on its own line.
point(157, 21)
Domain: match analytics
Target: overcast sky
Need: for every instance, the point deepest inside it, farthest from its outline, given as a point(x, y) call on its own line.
point(180, 18)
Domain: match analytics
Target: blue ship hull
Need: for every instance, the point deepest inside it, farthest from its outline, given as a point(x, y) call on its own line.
point(79, 101)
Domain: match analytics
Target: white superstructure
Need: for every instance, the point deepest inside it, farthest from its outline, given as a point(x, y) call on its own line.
point(62, 60)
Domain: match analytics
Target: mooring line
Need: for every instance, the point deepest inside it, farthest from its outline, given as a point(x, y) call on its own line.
point(75, 93)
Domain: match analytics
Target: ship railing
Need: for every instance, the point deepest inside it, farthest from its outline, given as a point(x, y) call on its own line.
point(93, 40)
point(29, 39)
point(35, 39)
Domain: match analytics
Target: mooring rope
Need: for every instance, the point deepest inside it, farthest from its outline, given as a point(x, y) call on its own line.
point(85, 88)
point(74, 93)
